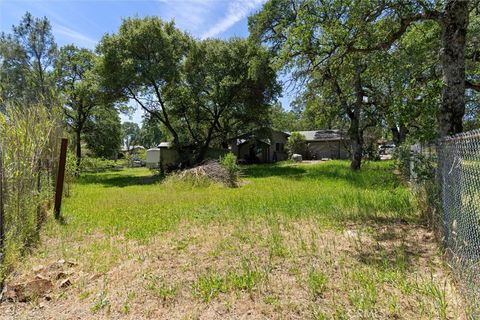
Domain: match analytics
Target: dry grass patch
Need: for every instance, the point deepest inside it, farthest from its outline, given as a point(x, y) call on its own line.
point(270, 268)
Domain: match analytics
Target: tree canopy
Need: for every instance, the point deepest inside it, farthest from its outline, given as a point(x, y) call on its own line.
point(200, 91)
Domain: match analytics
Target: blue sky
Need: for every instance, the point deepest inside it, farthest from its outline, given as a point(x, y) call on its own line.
point(84, 22)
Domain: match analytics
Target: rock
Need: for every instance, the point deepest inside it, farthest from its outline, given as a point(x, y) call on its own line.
point(350, 234)
point(25, 292)
point(95, 276)
point(38, 268)
point(297, 157)
point(61, 275)
point(65, 283)
point(66, 263)
point(41, 277)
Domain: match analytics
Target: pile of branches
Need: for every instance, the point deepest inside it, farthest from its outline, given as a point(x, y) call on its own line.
point(209, 171)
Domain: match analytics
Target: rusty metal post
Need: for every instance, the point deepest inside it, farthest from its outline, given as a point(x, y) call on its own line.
point(60, 178)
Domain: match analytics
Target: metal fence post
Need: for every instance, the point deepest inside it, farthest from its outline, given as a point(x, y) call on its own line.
point(60, 178)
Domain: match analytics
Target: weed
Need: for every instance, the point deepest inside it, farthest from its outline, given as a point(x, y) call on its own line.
point(272, 300)
point(162, 289)
point(317, 282)
point(101, 302)
point(209, 286)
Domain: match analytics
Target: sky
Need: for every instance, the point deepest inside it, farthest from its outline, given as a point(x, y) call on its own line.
point(84, 22)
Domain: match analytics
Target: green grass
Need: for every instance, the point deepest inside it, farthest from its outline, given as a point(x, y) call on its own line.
point(312, 241)
point(134, 203)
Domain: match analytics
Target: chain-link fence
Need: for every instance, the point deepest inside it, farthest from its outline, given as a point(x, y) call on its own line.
point(458, 177)
point(455, 162)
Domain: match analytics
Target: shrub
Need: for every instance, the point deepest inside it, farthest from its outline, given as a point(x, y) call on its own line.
point(229, 161)
point(90, 164)
point(296, 144)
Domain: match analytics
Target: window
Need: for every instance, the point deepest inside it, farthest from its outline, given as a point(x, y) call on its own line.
point(279, 146)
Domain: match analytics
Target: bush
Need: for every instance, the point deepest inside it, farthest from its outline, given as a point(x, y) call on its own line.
point(90, 164)
point(229, 161)
point(296, 144)
point(423, 166)
point(71, 172)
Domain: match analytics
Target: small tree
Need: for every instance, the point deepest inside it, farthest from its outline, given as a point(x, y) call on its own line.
point(296, 144)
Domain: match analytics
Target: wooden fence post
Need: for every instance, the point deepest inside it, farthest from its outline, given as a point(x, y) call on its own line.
point(60, 177)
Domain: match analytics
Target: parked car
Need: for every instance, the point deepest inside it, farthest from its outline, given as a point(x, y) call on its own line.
point(136, 162)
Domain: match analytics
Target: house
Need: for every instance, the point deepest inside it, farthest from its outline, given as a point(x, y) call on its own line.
point(260, 146)
point(331, 144)
point(133, 149)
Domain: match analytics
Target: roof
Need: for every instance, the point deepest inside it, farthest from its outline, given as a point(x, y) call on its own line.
point(133, 148)
point(164, 145)
point(258, 133)
point(324, 135)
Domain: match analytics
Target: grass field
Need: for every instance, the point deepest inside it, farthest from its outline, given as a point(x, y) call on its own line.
point(309, 241)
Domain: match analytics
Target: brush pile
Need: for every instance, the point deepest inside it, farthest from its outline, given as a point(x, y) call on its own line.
point(211, 171)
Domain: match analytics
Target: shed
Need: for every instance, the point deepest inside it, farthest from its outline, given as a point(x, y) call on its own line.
point(332, 144)
point(153, 158)
point(163, 155)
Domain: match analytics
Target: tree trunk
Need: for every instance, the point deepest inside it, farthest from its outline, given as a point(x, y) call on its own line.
point(78, 148)
point(454, 30)
point(399, 134)
point(355, 131)
point(356, 143)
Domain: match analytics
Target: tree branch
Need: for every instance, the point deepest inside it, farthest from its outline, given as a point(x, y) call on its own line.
point(473, 86)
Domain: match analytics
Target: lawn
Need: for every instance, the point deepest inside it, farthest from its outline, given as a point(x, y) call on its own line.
point(294, 241)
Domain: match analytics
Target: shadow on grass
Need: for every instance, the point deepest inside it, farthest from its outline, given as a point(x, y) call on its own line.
point(268, 170)
point(116, 180)
point(396, 246)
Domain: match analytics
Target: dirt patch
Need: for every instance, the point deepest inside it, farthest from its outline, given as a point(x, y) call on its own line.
point(257, 270)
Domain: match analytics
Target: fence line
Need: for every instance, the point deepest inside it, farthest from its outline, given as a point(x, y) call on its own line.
point(456, 163)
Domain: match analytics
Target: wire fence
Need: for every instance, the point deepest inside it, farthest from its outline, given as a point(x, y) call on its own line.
point(455, 162)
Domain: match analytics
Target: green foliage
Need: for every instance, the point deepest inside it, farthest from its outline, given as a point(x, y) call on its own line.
point(229, 161)
point(360, 72)
point(26, 60)
point(150, 133)
point(296, 144)
point(200, 92)
point(86, 111)
point(423, 165)
point(371, 151)
point(209, 286)
point(316, 283)
point(92, 164)
point(104, 133)
point(130, 134)
point(71, 172)
point(28, 142)
point(283, 120)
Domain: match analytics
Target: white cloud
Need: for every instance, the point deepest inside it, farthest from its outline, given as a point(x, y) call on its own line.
point(189, 15)
point(76, 36)
point(236, 11)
